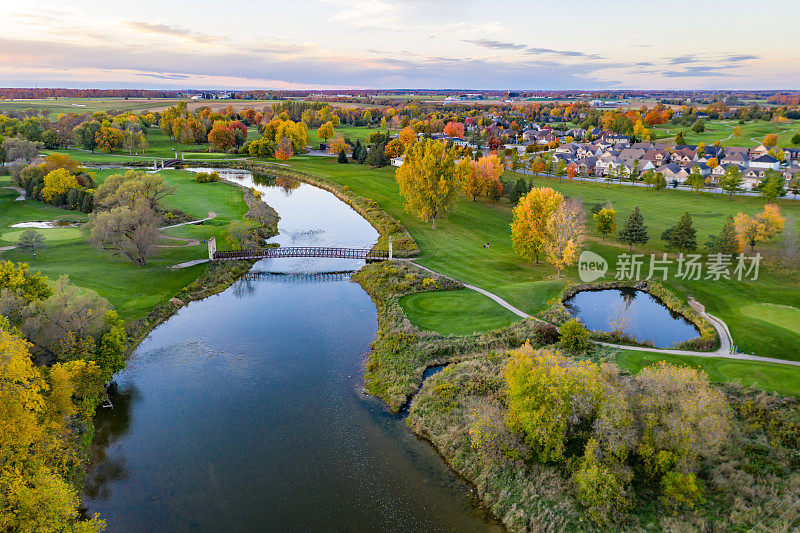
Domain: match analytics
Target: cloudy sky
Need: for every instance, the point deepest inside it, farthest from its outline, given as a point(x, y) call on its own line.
point(299, 44)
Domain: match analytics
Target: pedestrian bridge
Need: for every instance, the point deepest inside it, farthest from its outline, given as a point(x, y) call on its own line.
point(327, 252)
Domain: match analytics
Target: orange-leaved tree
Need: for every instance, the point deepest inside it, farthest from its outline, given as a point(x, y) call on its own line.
point(284, 150)
point(760, 228)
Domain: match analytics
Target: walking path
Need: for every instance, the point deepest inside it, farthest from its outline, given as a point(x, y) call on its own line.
point(211, 215)
point(724, 351)
point(20, 191)
point(188, 264)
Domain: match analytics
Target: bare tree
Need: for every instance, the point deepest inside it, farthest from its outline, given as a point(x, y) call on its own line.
point(130, 232)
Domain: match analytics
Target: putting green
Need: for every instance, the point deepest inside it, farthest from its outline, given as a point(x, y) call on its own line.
point(458, 312)
point(51, 234)
point(780, 315)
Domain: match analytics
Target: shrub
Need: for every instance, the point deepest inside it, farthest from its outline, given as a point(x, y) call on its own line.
point(546, 333)
point(574, 337)
point(206, 177)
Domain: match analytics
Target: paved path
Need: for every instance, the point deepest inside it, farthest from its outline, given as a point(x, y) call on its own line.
point(188, 264)
point(724, 351)
point(20, 191)
point(211, 215)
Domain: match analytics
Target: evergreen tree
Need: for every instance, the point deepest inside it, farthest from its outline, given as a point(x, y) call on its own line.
point(342, 156)
point(772, 188)
point(376, 157)
point(634, 231)
point(357, 151)
point(362, 155)
point(726, 243)
point(679, 139)
point(682, 236)
point(518, 190)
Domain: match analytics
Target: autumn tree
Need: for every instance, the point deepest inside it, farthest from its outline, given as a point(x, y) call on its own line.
point(131, 187)
point(284, 150)
point(221, 137)
point(529, 224)
point(454, 129)
point(338, 145)
point(326, 131)
point(770, 140)
point(761, 228)
point(428, 179)
point(407, 137)
point(57, 183)
point(394, 148)
point(109, 139)
point(606, 221)
point(565, 234)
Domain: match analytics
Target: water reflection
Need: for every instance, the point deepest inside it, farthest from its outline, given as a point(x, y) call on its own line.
point(244, 411)
point(632, 312)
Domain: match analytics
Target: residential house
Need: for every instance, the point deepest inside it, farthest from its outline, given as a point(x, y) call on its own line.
point(397, 161)
point(657, 157)
point(752, 176)
point(791, 154)
point(673, 172)
point(735, 158)
point(587, 165)
point(758, 151)
point(631, 154)
point(643, 146)
point(765, 161)
point(684, 156)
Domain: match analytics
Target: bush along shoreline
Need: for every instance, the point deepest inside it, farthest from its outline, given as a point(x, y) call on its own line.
point(707, 341)
point(401, 352)
point(556, 442)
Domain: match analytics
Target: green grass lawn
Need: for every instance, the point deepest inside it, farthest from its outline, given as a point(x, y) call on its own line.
point(722, 130)
point(55, 106)
point(783, 379)
point(50, 235)
point(132, 290)
point(434, 311)
point(781, 315)
point(456, 249)
point(354, 133)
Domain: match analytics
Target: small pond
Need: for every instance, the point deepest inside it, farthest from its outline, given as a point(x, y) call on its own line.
point(634, 312)
point(43, 224)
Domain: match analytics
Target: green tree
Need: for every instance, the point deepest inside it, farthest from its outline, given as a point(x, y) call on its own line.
point(30, 240)
point(634, 231)
point(731, 182)
point(727, 242)
point(606, 221)
point(696, 180)
point(679, 139)
point(342, 159)
point(682, 236)
point(86, 134)
point(796, 138)
point(698, 126)
point(574, 337)
point(773, 186)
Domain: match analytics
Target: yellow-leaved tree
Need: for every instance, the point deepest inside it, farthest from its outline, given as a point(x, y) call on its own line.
point(326, 131)
point(529, 224)
point(37, 441)
point(429, 179)
point(56, 182)
point(566, 230)
point(760, 228)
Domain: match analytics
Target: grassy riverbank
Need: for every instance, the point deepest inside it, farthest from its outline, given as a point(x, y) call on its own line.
point(133, 290)
point(456, 249)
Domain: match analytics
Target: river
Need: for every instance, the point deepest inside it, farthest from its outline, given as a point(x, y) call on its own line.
point(244, 411)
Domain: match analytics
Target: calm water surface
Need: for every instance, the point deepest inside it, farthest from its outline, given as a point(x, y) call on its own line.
point(244, 411)
point(647, 318)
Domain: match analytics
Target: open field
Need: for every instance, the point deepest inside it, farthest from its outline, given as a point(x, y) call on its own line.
point(354, 133)
point(133, 290)
point(54, 106)
point(722, 130)
point(456, 249)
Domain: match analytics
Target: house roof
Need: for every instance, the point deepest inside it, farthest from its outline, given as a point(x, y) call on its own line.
point(766, 158)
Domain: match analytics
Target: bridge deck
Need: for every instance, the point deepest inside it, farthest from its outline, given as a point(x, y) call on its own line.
point(303, 251)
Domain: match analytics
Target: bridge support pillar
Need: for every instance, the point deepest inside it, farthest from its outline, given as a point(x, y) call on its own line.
point(390, 247)
point(212, 248)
